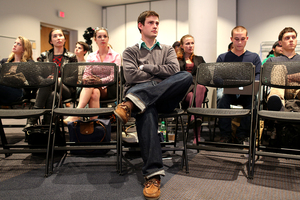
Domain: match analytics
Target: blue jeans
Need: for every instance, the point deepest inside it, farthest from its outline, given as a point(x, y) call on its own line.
point(225, 123)
point(152, 98)
point(10, 95)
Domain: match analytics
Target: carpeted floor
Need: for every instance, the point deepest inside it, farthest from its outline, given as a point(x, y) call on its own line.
point(213, 175)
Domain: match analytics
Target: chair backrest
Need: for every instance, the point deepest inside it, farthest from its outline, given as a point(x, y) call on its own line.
point(225, 74)
point(281, 75)
point(28, 74)
point(94, 74)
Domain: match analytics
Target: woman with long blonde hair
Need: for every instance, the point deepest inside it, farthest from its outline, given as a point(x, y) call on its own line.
point(21, 52)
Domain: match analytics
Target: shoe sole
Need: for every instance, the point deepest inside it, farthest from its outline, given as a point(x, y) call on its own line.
point(120, 118)
point(152, 198)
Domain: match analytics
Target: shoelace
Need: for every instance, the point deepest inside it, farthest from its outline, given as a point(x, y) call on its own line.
point(126, 108)
point(152, 181)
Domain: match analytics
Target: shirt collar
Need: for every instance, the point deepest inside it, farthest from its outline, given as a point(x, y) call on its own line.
point(143, 44)
point(109, 51)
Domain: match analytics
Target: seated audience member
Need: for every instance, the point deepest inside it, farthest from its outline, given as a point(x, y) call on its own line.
point(237, 54)
point(80, 50)
point(154, 83)
point(176, 46)
point(277, 97)
point(276, 51)
point(59, 55)
point(21, 52)
point(189, 62)
point(105, 53)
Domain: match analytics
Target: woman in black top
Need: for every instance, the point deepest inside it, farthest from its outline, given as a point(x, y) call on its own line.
point(60, 56)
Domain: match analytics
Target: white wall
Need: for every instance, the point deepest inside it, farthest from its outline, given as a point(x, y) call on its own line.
point(265, 19)
point(20, 17)
point(226, 21)
point(173, 18)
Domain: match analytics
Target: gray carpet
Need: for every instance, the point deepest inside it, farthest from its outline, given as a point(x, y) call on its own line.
point(213, 175)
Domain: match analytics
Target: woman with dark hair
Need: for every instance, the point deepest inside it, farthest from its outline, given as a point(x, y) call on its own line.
point(188, 62)
point(104, 53)
point(21, 52)
point(59, 55)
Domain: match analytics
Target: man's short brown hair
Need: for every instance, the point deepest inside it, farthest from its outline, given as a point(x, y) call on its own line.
point(144, 15)
point(84, 45)
point(285, 30)
point(239, 28)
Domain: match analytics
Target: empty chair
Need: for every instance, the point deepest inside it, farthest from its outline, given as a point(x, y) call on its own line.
point(224, 75)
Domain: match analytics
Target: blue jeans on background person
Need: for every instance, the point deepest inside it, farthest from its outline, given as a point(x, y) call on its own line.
point(155, 98)
point(225, 123)
point(10, 95)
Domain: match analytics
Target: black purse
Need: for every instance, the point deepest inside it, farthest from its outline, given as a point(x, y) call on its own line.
point(93, 131)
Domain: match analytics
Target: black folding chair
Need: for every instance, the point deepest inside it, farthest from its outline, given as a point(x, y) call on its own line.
point(224, 75)
point(73, 77)
point(278, 75)
point(27, 75)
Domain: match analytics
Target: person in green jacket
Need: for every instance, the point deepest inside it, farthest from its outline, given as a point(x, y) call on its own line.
point(276, 51)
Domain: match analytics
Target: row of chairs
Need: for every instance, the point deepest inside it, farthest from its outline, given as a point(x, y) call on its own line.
point(232, 75)
point(219, 75)
point(39, 75)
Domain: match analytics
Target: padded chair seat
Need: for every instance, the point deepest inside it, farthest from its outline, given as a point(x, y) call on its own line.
point(219, 112)
point(83, 111)
point(280, 115)
point(174, 113)
point(22, 113)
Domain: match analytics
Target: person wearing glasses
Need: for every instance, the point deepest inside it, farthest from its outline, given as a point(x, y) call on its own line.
point(59, 55)
point(105, 53)
point(21, 52)
point(188, 61)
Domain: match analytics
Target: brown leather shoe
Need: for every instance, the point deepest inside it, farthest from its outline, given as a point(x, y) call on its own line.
point(123, 112)
point(152, 189)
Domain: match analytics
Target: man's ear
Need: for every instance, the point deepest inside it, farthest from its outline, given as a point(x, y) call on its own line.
point(140, 25)
point(280, 42)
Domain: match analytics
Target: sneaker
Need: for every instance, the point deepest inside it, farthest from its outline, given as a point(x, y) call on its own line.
point(239, 140)
point(32, 121)
point(70, 119)
point(123, 112)
point(226, 139)
point(152, 188)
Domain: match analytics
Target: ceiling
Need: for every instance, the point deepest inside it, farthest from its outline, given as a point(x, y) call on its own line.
point(116, 2)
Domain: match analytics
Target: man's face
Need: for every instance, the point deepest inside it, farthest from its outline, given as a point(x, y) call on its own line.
point(239, 39)
point(79, 51)
point(150, 27)
point(289, 41)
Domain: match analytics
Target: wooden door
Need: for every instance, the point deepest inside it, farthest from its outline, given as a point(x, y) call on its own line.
point(45, 46)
